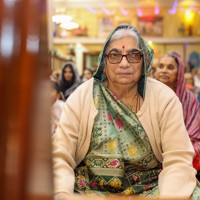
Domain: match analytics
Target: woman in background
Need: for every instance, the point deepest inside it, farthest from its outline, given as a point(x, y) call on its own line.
point(56, 105)
point(87, 74)
point(170, 71)
point(189, 81)
point(70, 79)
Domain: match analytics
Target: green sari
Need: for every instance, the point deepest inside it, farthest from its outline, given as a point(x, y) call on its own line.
point(120, 158)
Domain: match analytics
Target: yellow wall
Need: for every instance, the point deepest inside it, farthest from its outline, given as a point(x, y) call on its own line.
point(171, 26)
point(171, 23)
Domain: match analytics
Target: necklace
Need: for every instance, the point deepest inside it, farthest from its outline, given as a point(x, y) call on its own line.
point(134, 105)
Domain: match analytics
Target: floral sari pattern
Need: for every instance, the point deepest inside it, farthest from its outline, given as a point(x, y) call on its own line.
point(120, 158)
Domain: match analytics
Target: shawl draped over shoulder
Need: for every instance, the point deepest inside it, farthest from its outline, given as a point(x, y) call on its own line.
point(191, 111)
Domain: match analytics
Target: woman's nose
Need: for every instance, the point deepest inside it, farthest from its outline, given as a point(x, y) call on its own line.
point(124, 62)
point(164, 69)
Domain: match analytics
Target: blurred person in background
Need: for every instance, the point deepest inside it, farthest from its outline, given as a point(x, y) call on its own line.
point(197, 78)
point(198, 96)
point(189, 81)
point(70, 79)
point(55, 76)
point(87, 74)
point(122, 132)
point(170, 71)
point(152, 72)
point(189, 67)
point(197, 83)
point(57, 105)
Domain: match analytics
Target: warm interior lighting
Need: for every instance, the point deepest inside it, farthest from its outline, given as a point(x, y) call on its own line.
point(150, 43)
point(189, 3)
point(69, 25)
point(147, 3)
point(189, 17)
point(189, 8)
point(147, 7)
point(60, 18)
point(139, 12)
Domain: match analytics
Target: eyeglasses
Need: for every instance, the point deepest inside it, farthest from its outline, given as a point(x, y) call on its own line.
point(132, 57)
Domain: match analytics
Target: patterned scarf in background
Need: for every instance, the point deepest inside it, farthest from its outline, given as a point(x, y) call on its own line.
point(191, 110)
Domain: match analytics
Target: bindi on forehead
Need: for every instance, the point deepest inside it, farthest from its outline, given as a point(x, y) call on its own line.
point(123, 44)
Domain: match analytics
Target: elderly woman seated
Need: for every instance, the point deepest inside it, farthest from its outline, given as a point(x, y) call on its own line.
point(122, 132)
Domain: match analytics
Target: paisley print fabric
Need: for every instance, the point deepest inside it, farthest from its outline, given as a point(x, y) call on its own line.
point(120, 158)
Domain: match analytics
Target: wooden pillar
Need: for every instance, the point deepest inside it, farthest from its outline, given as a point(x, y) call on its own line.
point(25, 144)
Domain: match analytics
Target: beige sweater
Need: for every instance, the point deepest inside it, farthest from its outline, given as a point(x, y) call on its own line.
point(161, 117)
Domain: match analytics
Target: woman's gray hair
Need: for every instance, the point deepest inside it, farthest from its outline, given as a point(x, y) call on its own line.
point(126, 31)
point(120, 33)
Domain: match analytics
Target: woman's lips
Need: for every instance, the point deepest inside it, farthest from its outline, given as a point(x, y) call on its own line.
point(124, 74)
point(164, 77)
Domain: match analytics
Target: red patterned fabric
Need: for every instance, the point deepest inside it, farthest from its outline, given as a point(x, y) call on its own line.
point(191, 110)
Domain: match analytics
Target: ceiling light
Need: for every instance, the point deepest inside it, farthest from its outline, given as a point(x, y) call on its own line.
point(69, 25)
point(189, 3)
point(60, 18)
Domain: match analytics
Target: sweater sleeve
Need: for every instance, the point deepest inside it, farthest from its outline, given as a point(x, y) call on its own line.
point(64, 146)
point(177, 178)
point(72, 138)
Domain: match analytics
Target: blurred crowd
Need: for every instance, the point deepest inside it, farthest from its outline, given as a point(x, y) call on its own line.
point(191, 77)
point(67, 79)
point(63, 83)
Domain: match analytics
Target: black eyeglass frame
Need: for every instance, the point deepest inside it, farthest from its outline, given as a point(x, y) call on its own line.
point(125, 55)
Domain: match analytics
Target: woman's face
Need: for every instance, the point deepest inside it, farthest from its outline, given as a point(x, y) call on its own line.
point(123, 72)
point(87, 74)
point(68, 74)
point(189, 78)
point(167, 71)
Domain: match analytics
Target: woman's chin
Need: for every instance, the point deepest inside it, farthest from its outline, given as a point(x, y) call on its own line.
point(126, 81)
point(165, 81)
